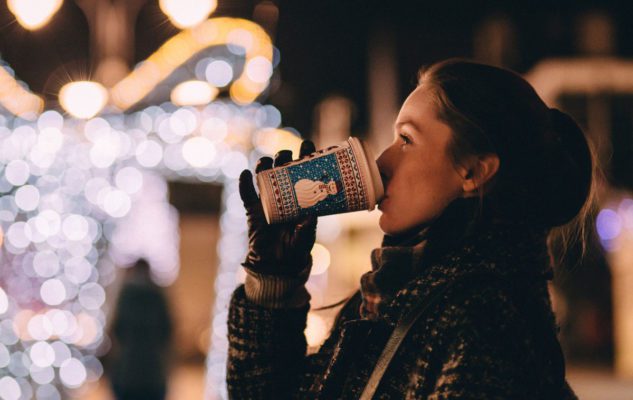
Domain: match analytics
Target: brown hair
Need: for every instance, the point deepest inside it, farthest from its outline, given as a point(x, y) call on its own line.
point(546, 173)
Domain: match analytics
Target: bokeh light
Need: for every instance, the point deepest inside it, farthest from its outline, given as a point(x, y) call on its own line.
point(33, 16)
point(83, 99)
point(9, 388)
point(198, 151)
point(193, 93)
point(608, 224)
point(72, 373)
point(78, 192)
point(17, 172)
point(53, 292)
point(219, 73)
point(42, 354)
point(187, 13)
point(4, 301)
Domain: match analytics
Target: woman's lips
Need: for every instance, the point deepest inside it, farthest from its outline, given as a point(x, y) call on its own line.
point(381, 202)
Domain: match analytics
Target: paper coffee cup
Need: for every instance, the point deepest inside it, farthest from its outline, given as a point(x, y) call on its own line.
point(338, 179)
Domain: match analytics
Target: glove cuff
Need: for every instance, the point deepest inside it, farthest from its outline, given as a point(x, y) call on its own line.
point(276, 291)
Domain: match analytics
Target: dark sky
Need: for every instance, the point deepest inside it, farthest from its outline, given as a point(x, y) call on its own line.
point(323, 44)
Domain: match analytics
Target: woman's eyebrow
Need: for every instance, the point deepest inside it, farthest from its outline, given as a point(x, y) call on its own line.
point(399, 124)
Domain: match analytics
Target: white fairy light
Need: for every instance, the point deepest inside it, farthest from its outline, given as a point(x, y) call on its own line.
point(77, 270)
point(46, 263)
point(117, 203)
point(219, 73)
point(198, 151)
point(72, 190)
point(50, 119)
point(4, 302)
point(51, 139)
point(72, 373)
point(19, 235)
point(42, 375)
point(62, 352)
point(48, 222)
point(42, 354)
point(91, 296)
point(40, 327)
point(27, 197)
point(129, 179)
point(149, 153)
point(17, 172)
point(75, 227)
point(10, 388)
point(53, 292)
point(259, 69)
point(5, 356)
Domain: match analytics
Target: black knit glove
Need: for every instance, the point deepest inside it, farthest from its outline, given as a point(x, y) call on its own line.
point(276, 249)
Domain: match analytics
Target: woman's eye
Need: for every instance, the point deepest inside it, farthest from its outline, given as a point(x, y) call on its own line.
point(405, 139)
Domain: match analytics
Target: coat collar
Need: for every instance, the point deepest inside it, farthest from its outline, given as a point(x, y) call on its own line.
point(463, 241)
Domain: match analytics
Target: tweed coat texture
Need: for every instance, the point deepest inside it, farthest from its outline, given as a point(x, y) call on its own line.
point(482, 342)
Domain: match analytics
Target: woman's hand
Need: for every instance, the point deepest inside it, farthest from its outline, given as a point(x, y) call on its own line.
point(277, 249)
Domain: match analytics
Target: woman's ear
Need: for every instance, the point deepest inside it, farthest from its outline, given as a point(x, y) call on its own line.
point(479, 171)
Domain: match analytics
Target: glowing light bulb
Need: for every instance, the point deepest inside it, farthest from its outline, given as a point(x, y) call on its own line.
point(83, 99)
point(187, 13)
point(33, 14)
point(193, 93)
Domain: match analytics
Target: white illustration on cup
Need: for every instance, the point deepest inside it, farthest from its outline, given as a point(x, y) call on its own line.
point(311, 192)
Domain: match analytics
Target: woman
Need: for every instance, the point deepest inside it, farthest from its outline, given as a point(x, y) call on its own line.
point(478, 174)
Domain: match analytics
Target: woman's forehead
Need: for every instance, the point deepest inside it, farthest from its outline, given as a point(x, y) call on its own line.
point(417, 109)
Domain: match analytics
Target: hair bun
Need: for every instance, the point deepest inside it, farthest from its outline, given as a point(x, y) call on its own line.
point(569, 169)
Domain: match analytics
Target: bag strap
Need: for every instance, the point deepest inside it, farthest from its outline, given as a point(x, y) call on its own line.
point(395, 340)
point(405, 323)
point(400, 332)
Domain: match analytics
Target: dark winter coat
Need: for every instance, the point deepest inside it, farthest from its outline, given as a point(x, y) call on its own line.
point(485, 342)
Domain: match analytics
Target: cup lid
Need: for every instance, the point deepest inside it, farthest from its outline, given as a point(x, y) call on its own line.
point(375, 181)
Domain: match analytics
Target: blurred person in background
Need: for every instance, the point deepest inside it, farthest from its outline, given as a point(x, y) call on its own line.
point(141, 333)
point(480, 176)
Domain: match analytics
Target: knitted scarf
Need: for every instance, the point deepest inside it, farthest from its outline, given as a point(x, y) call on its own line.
point(402, 259)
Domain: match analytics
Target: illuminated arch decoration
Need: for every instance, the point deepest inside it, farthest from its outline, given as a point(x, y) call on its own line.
point(69, 189)
point(555, 76)
point(17, 99)
point(258, 53)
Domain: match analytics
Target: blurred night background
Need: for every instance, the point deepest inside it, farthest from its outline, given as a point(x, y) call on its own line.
point(124, 125)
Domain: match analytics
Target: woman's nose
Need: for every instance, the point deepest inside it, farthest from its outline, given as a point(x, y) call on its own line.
point(384, 165)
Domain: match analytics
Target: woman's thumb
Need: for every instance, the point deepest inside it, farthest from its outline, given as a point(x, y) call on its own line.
point(247, 189)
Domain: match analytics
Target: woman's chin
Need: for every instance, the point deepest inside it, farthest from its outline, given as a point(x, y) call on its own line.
point(381, 222)
point(392, 228)
point(386, 225)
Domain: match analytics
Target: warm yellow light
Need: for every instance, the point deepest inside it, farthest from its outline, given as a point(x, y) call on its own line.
point(245, 91)
point(83, 99)
point(17, 99)
point(187, 13)
point(193, 93)
point(33, 14)
point(271, 140)
point(180, 48)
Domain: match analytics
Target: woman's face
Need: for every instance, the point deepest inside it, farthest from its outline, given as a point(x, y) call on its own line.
point(420, 178)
